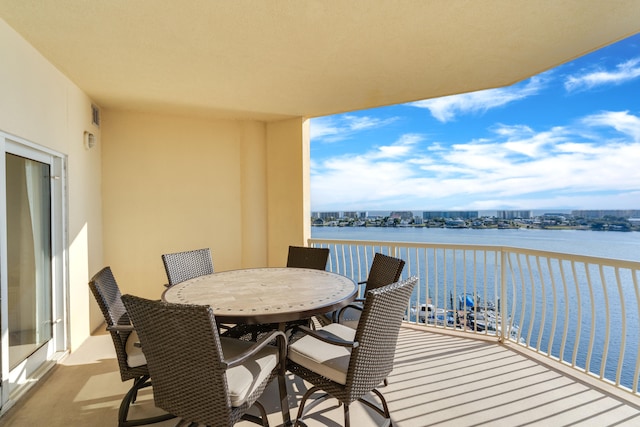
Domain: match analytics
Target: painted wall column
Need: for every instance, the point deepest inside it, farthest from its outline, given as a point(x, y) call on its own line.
point(288, 200)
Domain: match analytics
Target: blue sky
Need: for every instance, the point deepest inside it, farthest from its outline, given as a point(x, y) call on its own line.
point(567, 139)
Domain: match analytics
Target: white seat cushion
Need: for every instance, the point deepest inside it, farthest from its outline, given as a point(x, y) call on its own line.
point(135, 357)
point(330, 361)
point(244, 379)
point(351, 317)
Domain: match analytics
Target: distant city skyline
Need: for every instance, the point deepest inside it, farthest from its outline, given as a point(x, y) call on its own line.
point(566, 139)
point(481, 213)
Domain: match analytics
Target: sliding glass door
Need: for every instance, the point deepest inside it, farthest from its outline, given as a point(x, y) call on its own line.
point(28, 256)
point(32, 298)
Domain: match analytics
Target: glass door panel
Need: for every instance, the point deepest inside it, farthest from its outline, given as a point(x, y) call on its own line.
point(28, 256)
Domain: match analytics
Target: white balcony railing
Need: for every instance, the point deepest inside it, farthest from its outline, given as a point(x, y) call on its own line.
point(578, 310)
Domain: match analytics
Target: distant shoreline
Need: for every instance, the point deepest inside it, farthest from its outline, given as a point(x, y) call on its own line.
point(464, 220)
point(551, 228)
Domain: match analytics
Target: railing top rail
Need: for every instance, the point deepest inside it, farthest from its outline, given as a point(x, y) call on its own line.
point(635, 265)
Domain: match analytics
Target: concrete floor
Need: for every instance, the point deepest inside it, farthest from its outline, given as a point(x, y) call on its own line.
point(438, 380)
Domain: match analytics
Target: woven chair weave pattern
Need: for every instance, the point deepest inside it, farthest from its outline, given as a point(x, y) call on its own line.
point(384, 270)
point(182, 266)
point(377, 335)
point(304, 257)
point(196, 387)
point(105, 289)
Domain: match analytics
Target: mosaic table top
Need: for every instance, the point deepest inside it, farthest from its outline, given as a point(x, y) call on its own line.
point(266, 295)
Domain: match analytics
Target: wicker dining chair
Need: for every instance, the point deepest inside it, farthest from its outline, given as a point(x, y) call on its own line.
point(131, 360)
point(384, 271)
point(198, 375)
point(181, 266)
point(348, 364)
point(307, 257)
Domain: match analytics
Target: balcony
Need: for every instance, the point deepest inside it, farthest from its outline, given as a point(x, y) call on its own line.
point(566, 320)
point(440, 378)
point(202, 139)
point(578, 311)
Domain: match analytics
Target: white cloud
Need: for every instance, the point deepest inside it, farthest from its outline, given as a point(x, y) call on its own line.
point(534, 145)
point(445, 109)
point(361, 123)
point(621, 121)
point(341, 127)
point(402, 147)
point(512, 130)
point(519, 167)
point(624, 72)
point(564, 201)
point(323, 127)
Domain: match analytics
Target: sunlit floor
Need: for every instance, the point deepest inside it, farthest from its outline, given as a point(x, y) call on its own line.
point(438, 379)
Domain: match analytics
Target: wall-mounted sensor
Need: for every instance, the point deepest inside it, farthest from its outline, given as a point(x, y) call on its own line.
point(89, 140)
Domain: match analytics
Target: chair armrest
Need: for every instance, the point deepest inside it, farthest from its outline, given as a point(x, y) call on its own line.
point(338, 314)
point(121, 328)
point(259, 345)
point(361, 290)
point(327, 337)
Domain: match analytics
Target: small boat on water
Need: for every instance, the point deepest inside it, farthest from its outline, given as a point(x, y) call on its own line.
point(470, 314)
point(434, 316)
point(489, 321)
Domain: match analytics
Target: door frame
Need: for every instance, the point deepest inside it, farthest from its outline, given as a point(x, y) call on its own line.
point(15, 382)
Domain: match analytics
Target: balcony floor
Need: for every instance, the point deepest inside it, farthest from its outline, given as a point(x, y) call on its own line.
point(439, 379)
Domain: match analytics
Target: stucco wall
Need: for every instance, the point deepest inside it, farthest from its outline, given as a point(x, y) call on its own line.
point(174, 183)
point(156, 183)
point(40, 104)
point(289, 216)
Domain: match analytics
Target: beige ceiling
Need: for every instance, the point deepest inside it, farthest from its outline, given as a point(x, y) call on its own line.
point(276, 59)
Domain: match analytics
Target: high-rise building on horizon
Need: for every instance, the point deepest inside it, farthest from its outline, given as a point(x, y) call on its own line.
point(406, 215)
point(514, 214)
point(350, 214)
point(450, 214)
point(619, 213)
point(326, 216)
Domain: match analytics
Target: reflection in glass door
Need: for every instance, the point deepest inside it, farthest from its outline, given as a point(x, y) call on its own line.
point(28, 256)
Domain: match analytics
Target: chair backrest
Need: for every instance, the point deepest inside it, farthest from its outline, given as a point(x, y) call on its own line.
point(181, 266)
point(105, 289)
point(384, 271)
point(303, 257)
point(184, 358)
point(377, 335)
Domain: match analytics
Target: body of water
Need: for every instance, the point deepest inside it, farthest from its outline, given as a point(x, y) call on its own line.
point(615, 245)
point(606, 244)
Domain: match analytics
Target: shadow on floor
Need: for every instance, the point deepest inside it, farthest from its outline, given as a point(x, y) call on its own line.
point(438, 380)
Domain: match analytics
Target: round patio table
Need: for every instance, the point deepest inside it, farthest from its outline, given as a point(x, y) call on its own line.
point(266, 295)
